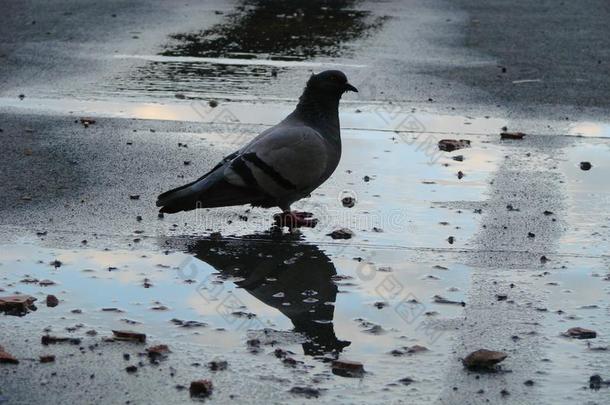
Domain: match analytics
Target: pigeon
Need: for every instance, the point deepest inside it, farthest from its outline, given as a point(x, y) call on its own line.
point(283, 164)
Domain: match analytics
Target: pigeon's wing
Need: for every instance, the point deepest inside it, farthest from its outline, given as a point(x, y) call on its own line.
point(283, 161)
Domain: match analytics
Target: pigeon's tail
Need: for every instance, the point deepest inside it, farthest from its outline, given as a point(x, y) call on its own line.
point(178, 199)
point(207, 192)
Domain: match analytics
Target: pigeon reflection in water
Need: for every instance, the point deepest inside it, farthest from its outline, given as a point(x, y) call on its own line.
point(303, 273)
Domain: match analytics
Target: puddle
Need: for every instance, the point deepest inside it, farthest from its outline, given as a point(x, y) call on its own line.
point(588, 198)
point(591, 129)
point(253, 45)
point(367, 299)
point(407, 192)
point(315, 303)
point(577, 296)
point(280, 30)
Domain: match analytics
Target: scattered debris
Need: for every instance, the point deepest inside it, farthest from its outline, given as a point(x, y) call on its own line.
point(348, 202)
point(449, 145)
point(242, 314)
point(129, 336)
point(218, 365)
point(87, 121)
point(483, 359)
point(442, 300)
point(512, 135)
point(52, 301)
point(375, 330)
point(585, 166)
point(112, 309)
point(56, 263)
point(289, 361)
point(281, 353)
point(307, 392)
point(46, 283)
point(17, 305)
point(254, 345)
point(596, 382)
point(406, 381)
point(416, 349)
point(188, 324)
point(131, 369)
point(342, 233)
point(580, 333)
point(48, 340)
point(157, 352)
point(201, 388)
point(346, 368)
point(408, 350)
point(7, 358)
point(48, 358)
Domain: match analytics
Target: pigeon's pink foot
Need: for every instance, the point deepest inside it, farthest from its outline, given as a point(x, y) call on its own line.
point(295, 219)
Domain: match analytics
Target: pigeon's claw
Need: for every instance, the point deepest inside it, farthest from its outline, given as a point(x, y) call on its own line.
point(295, 219)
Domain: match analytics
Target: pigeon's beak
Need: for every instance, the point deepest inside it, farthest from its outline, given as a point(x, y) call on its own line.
point(349, 87)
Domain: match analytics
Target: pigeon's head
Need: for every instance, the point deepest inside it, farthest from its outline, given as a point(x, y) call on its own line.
point(332, 83)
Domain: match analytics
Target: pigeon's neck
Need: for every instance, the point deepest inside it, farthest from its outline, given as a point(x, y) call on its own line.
point(320, 112)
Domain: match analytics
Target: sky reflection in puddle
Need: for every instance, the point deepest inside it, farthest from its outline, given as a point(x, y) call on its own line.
point(362, 309)
point(275, 31)
point(282, 30)
point(588, 198)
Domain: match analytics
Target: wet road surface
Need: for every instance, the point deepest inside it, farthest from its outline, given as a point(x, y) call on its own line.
point(517, 244)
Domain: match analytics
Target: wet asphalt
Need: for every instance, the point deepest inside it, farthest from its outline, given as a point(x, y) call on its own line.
point(146, 71)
